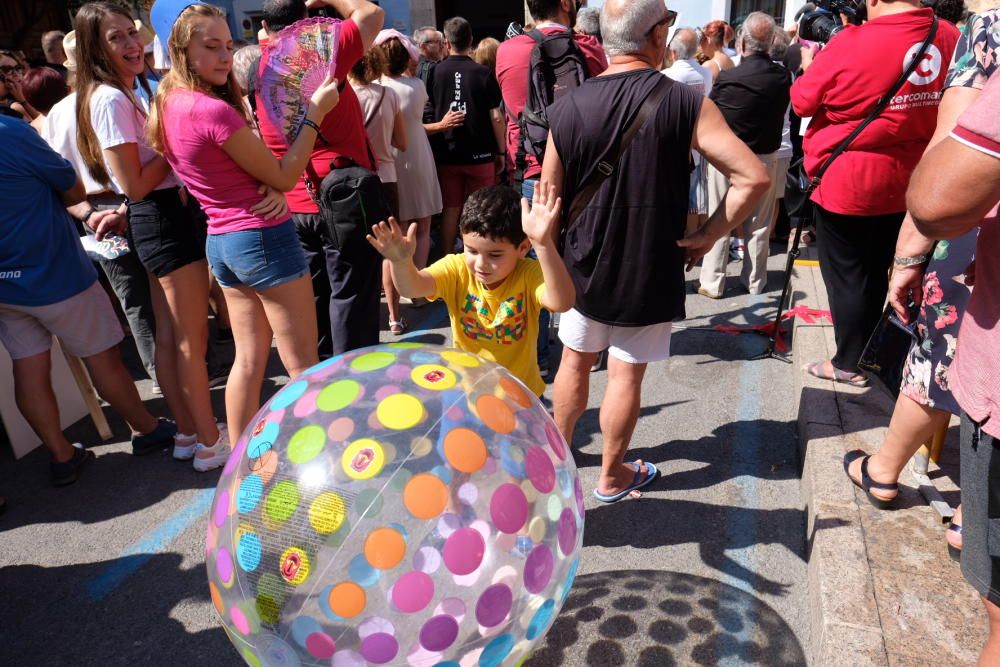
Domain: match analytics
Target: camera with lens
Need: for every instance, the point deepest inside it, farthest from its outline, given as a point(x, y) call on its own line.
point(821, 21)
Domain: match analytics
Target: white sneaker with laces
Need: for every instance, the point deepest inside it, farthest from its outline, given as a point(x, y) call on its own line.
point(209, 458)
point(184, 446)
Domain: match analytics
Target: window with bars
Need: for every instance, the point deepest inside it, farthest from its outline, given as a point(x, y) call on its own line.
point(742, 8)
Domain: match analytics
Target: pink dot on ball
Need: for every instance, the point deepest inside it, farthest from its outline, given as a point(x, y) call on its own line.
point(541, 472)
point(384, 392)
point(413, 592)
point(222, 507)
point(567, 531)
point(464, 550)
point(340, 429)
point(240, 621)
point(579, 497)
point(306, 405)
point(379, 648)
point(509, 508)
point(397, 372)
point(235, 457)
point(555, 441)
point(538, 569)
point(320, 645)
point(494, 605)
point(439, 633)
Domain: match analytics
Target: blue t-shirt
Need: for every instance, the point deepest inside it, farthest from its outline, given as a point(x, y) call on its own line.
point(41, 259)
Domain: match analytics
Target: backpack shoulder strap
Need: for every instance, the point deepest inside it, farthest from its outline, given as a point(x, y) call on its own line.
point(605, 168)
point(374, 112)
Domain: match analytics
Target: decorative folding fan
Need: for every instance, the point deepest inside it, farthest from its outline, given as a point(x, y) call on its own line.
point(297, 60)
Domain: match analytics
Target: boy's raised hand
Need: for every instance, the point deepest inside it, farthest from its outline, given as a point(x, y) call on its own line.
point(389, 240)
point(540, 220)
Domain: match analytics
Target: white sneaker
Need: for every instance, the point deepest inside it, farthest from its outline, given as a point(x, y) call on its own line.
point(209, 458)
point(184, 446)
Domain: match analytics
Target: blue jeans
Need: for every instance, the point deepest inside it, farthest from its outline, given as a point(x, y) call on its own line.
point(258, 258)
point(528, 191)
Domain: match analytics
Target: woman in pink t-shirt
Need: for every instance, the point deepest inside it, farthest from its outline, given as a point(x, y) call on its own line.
point(200, 125)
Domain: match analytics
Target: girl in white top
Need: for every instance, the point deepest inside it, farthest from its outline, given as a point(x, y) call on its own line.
point(386, 129)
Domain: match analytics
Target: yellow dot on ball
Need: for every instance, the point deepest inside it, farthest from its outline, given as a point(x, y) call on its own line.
point(536, 529)
point(400, 411)
point(432, 376)
point(363, 459)
point(327, 513)
point(460, 359)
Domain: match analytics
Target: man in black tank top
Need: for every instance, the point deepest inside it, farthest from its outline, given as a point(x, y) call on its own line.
point(626, 252)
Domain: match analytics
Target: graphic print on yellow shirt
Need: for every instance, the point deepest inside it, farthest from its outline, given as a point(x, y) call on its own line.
point(499, 324)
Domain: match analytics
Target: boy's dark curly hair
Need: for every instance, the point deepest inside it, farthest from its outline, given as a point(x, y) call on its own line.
point(495, 213)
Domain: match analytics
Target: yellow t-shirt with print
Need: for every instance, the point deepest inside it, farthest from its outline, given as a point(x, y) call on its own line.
point(499, 324)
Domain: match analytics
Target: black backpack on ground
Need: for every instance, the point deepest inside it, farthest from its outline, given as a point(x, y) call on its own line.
point(556, 68)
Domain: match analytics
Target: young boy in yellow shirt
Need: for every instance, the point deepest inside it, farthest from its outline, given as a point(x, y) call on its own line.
point(493, 292)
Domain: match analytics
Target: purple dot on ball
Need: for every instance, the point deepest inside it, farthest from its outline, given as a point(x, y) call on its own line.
point(224, 565)
point(567, 531)
point(439, 633)
point(379, 648)
point(463, 552)
point(578, 487)
point(540, 470)
point(538, 569)
point(494, 605)
point(555, 441)
point(221, 507)
point(509, 508)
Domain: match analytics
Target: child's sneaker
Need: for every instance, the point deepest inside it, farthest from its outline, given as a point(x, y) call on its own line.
point(209, 458)
point(68, 472)
point(184, 446)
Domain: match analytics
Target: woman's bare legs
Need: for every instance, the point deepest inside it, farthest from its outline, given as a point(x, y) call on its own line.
point(252, 336)
point(391, 294)
point(186, 292)
point(911, 426)
point(293, 319)
point(423, 241)
point(167, 364)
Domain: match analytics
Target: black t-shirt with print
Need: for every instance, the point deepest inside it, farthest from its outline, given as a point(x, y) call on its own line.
point(459, 83)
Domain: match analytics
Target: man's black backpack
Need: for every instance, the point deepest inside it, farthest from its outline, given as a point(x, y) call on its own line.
point(556, 67)
point(352, 200)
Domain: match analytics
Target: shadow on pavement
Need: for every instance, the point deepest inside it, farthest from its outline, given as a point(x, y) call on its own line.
point(48, 618)
point(654, 618)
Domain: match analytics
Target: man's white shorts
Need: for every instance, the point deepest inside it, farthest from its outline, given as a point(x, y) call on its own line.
point(633, 345)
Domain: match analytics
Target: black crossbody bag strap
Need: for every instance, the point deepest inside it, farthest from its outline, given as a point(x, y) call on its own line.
point(879, 107)
point(605, 168)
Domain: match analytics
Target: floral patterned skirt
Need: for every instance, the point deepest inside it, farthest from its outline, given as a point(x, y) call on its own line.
point(925, 375)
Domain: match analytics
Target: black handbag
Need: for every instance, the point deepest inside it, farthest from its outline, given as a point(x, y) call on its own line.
point(885, 354)
point(799, 187)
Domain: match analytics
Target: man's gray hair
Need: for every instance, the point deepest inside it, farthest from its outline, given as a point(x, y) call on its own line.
point(244, 58)
point(588, 21)
point(423, 35)
point(684, 44)
point(758, 34)
point(626, 24)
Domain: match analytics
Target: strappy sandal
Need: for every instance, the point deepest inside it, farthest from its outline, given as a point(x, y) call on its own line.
point(953, 551)
point(397, 327)
point(818, 369)
point(867, 483)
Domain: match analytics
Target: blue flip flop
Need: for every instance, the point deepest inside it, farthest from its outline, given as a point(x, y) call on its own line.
point(639, 482)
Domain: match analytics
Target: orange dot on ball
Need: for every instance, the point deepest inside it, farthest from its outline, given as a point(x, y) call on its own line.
point(384, 548)
point(425, 496)
point(347, 599)
point(465, 450)
point(496, 414)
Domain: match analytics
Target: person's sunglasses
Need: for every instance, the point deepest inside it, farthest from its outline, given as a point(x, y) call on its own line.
point(668, 21)
point(8, 70)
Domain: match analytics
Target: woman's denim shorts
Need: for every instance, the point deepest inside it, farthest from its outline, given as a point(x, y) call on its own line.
point(257, 258)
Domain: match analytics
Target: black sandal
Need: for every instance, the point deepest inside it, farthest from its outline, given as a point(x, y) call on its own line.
point(953, 551)
point(867, 483)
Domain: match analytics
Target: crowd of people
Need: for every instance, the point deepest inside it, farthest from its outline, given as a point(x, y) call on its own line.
point(580, 167)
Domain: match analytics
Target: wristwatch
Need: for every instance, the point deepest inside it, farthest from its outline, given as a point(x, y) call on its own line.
point(909, 261)
point(86, 216)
